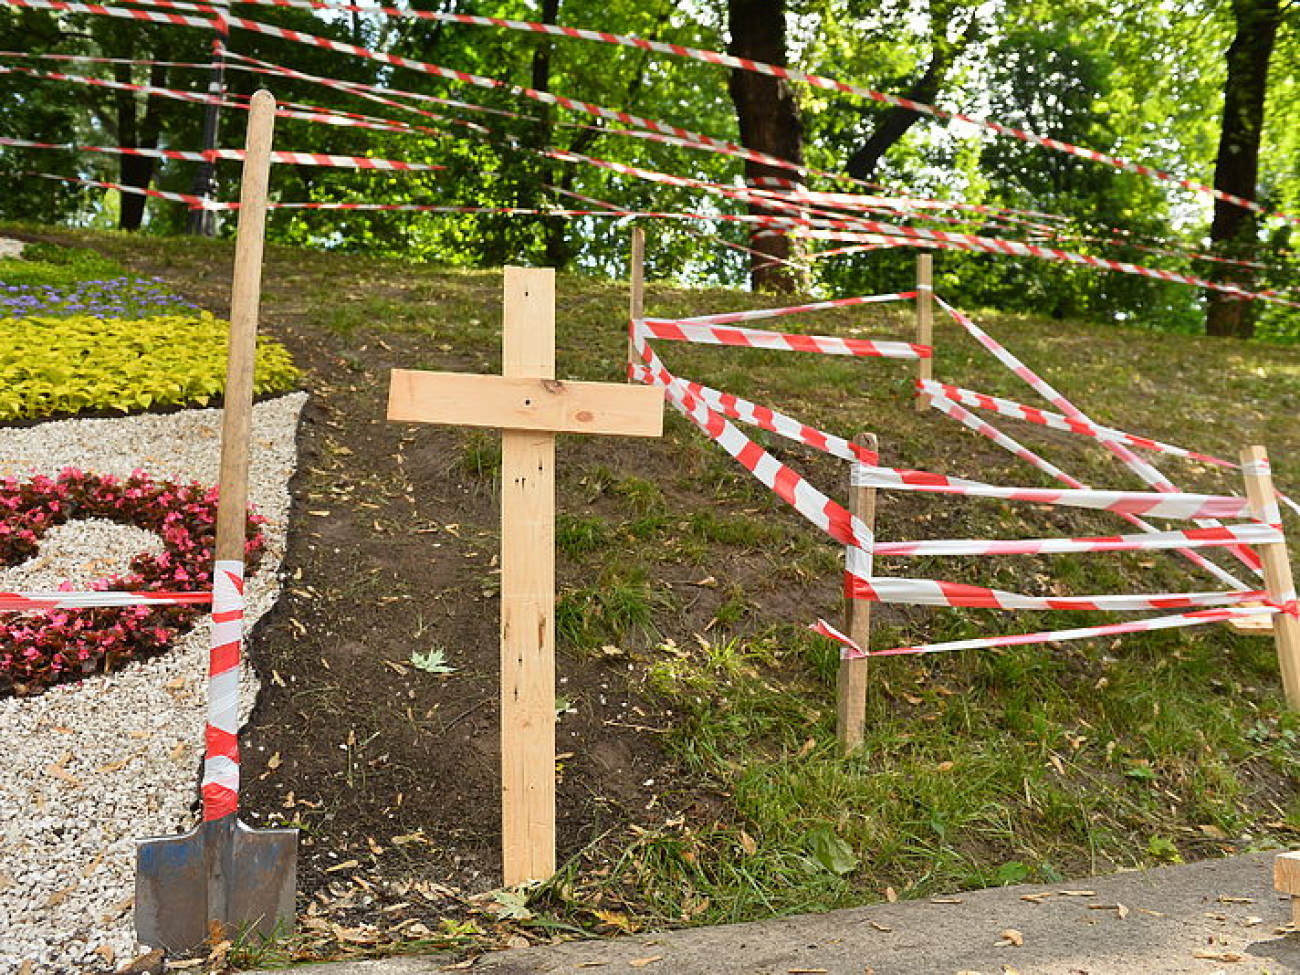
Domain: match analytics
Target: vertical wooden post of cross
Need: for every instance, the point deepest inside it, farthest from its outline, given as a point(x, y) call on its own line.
point(529, 407)
point(636, 295)
point(924, 322)
point(1277, 570)
point(851, 685)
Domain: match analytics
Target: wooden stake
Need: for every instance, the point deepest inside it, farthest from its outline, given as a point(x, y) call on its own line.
point(851, 687)
point(531, 407)
point(1286, 878)
point(1277, 570)
point(246, 289)
point(636, 292)
point(924, 321)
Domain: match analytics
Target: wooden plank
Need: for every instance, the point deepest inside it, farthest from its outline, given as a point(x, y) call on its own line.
point(245, 292)
point(636, 291)
point(1277, 570)
point(528, 593)
point(924, 321)
point(539, 405)
point(1286, 878)
point(851, 685)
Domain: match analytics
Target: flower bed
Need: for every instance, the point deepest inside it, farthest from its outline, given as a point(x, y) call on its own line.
point(38, 650)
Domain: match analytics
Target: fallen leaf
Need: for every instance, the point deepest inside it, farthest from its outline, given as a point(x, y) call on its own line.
point(1224, 899)
point(345, 865)
point(806, 971)
point(748, 844)
point(891, 895)
point(274, 762)
point(55, 770)
point(1011, 938)
point(1250, 922)
point(107, 953)
point(945, 766)
point(881, 927)
point(591, 964)
point(648, 960)
point(945, 900)
point(1121, 910)
point(1227, 956)
point(806, 747)
point(1077, 893)
point(1036, 898)
point(174, 966)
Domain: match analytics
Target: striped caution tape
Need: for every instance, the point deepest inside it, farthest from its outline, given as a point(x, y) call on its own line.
point(237, 155)
point(939, 592)
point(1057, 421)
point(791, 74)
point(958, 412)
point(792, 488)
point(26, 602)
point(851, 649)
point(1251, 533)
point(729, 318)
point(220, 787)
point(687, 331)
point(1155, 505)
point(737, 408)
point(1144, 470)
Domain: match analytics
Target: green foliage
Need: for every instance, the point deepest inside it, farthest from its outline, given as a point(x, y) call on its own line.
point(55, 366)
point(50, 264)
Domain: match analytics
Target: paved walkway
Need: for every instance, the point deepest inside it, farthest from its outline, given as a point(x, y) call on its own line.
point(1217, 917)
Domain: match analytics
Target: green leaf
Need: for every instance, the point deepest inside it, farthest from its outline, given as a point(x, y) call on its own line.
point(831, 852)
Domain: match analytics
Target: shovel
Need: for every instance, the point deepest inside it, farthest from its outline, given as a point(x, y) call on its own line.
point(222, 878)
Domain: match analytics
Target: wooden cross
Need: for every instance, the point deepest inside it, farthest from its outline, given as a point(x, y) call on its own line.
point(530, 407)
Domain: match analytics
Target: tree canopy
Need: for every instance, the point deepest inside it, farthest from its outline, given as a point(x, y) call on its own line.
point(679, 137)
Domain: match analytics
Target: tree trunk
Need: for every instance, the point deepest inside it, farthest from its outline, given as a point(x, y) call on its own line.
point(558, 251)
point(1234, 230)
point(137, 132)
point(769, 122)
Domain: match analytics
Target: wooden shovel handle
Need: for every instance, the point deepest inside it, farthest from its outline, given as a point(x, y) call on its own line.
point(244, 296)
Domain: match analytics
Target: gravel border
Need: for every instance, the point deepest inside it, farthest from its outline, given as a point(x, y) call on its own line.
point(89, 768)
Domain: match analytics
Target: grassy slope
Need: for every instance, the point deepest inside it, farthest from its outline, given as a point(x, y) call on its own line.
point(979, 767)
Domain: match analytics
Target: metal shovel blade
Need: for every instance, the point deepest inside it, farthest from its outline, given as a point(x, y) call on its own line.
point(221, 872)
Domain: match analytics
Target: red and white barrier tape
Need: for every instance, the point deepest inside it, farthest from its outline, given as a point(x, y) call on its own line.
point(736, 408)
point(212, 155)
point(221, 760)
point(790, 74)
point(686, 331)
point(728, 318)
point(1251, 533)
point(1155, 505)
point(1146, 471)
point(26, 602)
point(939, 592)
point(599, 111)
point(1018, 411)
point(959, 413)
point(852, 650)
point(828, 515)
point(194, 202)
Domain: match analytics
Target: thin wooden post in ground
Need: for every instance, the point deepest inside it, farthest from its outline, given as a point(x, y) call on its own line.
point(636, 294)
point(530, 407)
point(851, 687)
point(1277, 570)
point(924, 321)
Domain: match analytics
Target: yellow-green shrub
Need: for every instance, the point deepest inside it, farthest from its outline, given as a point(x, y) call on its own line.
point(58, 366)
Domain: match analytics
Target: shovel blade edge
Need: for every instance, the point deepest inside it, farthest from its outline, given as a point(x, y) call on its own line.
point(244, 879)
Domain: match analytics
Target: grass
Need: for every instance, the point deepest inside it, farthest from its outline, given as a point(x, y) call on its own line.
point(1023, 764)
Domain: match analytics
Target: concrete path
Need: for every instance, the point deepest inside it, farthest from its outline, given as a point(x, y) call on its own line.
point(1217, 917)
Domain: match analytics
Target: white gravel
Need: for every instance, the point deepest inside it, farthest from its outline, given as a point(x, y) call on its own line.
point(88, 768)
